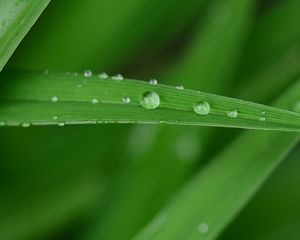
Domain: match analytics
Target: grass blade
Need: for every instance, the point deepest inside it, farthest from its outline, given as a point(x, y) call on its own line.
point(37, 99)
point(16, 18)
point(204, 207)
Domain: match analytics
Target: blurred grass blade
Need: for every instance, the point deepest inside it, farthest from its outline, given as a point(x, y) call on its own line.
point(205, 205)
point(30, 98)
point(16, 18)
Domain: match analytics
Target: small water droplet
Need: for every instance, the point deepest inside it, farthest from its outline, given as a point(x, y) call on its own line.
point(87, 73)
point(126, 100)
point(232, 113)
point(25, 125)
point(55, 117)
point(75, 74)
point(202, 108)
point(153, 82)
point(54, 99)
point(203, 228)
point(103, 75)
point(262, 119)
point(150, 100)
point(46, 71)
point(117, 77)
point(2, 123)
point(95, 101)
point(61, 124)
point(79, 85)
point(180, 87)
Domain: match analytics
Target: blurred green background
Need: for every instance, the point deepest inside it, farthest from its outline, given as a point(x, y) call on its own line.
point(108, 181)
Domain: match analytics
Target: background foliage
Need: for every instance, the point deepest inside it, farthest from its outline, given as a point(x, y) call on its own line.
point(114, 181)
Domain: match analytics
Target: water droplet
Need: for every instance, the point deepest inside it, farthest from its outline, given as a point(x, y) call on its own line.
point(54, 99)
point(79, 85)
point(55, 117)
point(126, 100)
point(202, 108)
point(61, 124)
point(203, 228)
point(153, 82)
point(87, 73)
point(25, 125)
point(117, 77)
point(2, 123)
point(46, 72)
point(262, 119)
point(232, 113)
point(103, 75)
point(75, 74)
point(180, 87)
point(150, 100)
point(95, 101)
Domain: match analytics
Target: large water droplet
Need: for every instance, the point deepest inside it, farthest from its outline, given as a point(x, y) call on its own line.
point(117, 77)
point(54, 99)
point(232, 113)
point(203, 228)
point(202, 108)
point(150, 100)
point(95, 101)
point(126, 100)
point(103, 75)
point(87, 73)
point(153, 82)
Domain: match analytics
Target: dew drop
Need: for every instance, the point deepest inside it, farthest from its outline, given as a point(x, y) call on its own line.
point(54, 99)
point(180, 87)
point(117, 77)
point(46, 71)
point(203, 228)
point(153, 82)
point(61, 124)
point(87, 73)
point(232, 113)
point(2, 123)
point(150, 100)
point(95, 101)
point(25, 125)
point(202, 108)
point(103, 75)
point(262, 119)
point(126, 100)
point(55, 117)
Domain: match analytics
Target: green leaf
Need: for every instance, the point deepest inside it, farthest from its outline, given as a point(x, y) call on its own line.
point(16, 18)
point(37, 99)
point(206, 204)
